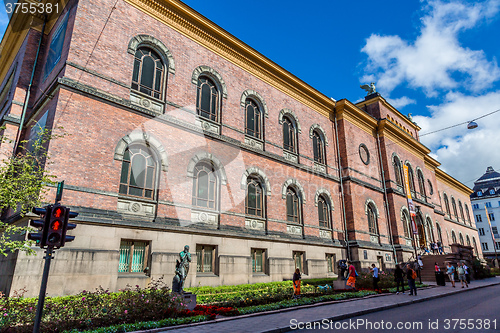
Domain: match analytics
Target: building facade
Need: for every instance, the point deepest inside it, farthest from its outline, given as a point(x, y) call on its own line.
point(486, 209)
point(176, 133)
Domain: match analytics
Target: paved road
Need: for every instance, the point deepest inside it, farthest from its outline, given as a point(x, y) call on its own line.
point(280, 320)
point(464, 312)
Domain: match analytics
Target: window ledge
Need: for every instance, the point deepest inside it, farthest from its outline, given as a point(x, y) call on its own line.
point(136, 206)
point(133, 275)
point(147, 101)
point(199, 274)
point(259, 274)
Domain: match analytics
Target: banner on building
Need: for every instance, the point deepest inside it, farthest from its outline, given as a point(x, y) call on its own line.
point(411, 206)
point(489, 223)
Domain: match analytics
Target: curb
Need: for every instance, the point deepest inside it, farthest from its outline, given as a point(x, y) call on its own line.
point(334, 318)
point(386, 307)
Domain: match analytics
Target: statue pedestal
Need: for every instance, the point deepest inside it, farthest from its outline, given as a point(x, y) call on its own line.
point(189, 300)
point(340, 284)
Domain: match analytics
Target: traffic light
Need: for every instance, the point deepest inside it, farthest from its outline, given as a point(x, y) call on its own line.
point(40, 237)
point(68, 226)
point(55, 226)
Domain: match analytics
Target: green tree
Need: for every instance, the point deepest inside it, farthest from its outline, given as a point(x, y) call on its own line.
point(23, 183)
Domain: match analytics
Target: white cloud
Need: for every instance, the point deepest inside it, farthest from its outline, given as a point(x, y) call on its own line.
point(434, 59)
point(464, 153)
point(401, 102)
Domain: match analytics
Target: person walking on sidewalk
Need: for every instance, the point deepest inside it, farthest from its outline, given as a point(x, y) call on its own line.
point(450, 270)
point(296, 283)
point(374, 271)
point(411, 275)
point(398, 278)
point(467, 275)
point(461, 275)
point(351, 281)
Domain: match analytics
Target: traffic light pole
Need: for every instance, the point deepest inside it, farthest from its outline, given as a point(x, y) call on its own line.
point(43, 289)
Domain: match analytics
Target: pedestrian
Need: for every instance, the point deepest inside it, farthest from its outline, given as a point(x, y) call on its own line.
point(420, 263)
point(461, 274)
point(450, 270)
point(296, 283)
point(434, 248)
point(351, 281)
point(436, 267)
point(440, 247)
point(376, 278)
point(398, 278)
point(411, 275)
point(467, 275)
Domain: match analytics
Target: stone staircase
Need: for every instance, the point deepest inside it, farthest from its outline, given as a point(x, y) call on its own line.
point(459, 253)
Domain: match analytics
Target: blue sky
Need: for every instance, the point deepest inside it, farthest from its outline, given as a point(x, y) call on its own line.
point(434, 59)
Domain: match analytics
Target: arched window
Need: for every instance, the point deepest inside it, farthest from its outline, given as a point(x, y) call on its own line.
point(461, 238)
point(405, 219)
point(461, 210)
point(293, 213)
point(289, 135)
point(467, 213)
point(253, 119)
point(318, 148)
point(139, 169)
point(205, 186)
point(421, 184)
point(148, 73)
point(454, 205)
point(430, 229)
point(397, 170)
point(453, 237)
point(372, 219)
point(254, 202)
point(207, 99)
point(467, 240)
point(440, 235)
point(474, 245)
point(323, 212)
point(447, 205)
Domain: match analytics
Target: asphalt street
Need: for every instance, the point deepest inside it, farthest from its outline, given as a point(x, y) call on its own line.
point(471, 312)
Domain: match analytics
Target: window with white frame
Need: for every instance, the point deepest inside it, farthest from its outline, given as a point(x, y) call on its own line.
point(485, 246)
point(330, 261)
point(133, 256)
point(258, 260)
point(205, 258)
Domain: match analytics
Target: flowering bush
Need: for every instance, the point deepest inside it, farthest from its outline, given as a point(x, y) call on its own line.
point(248, 294)
point(91, 309)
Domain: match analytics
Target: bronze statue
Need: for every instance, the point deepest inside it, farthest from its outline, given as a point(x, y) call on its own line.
point(181, 270)
point(370, 89)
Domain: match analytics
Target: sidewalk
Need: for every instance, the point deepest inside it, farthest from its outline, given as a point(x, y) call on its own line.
point(279, 320)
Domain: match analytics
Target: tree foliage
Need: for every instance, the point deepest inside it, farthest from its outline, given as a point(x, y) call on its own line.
point(23, 183)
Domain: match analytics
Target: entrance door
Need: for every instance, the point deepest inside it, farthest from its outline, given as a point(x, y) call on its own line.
point(380, 261)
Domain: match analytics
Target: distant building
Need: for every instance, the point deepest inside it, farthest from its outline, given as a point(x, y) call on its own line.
point(181, 134)
point(486, 198)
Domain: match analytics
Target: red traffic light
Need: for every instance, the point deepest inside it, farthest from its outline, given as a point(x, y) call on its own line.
point(58, 212)
point(56, 225)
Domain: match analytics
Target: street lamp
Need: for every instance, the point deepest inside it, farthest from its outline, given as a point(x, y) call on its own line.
point(472, 125)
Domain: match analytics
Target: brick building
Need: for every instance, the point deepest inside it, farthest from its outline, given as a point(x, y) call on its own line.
point(177, 133)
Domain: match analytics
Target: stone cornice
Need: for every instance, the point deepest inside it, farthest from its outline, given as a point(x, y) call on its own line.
point(390, 107)
point(395, 134)
point(193, 25)
point(452, 182)
point(351, 113)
